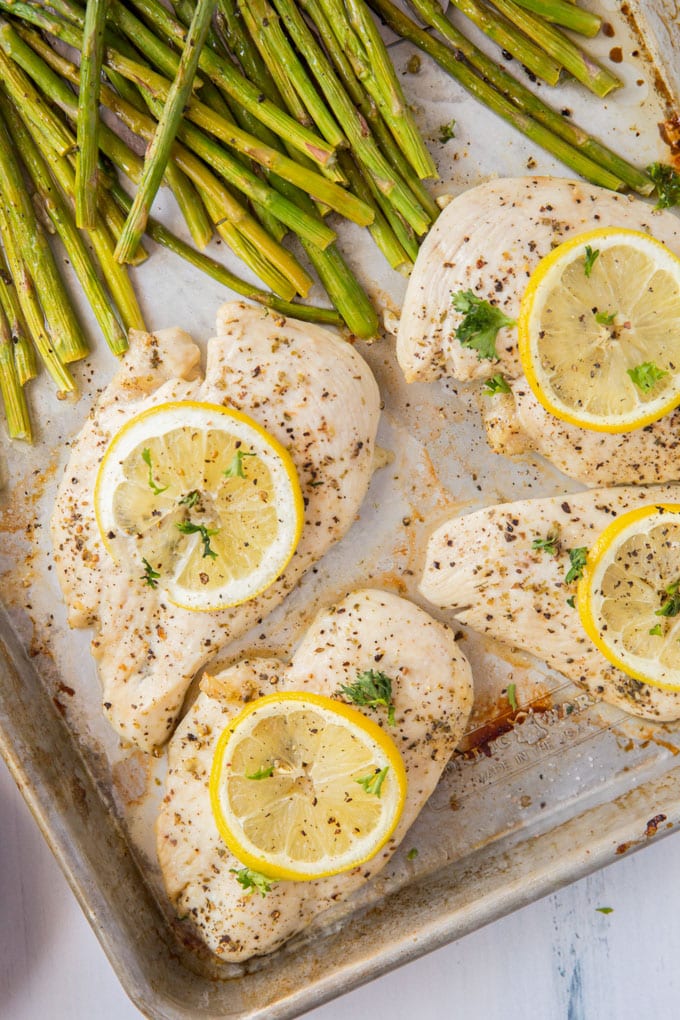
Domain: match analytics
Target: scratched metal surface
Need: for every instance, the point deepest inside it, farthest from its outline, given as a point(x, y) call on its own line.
point(530, 800)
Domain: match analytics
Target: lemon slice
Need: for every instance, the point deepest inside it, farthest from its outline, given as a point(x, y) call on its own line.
point(599, 330)
point(629, 594)
point(303, 786)
point(199, 501)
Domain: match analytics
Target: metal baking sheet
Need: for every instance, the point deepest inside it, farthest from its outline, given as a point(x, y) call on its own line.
point(531, 799)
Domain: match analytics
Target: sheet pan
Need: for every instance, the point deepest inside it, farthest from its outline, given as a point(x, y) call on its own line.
point(531, 800)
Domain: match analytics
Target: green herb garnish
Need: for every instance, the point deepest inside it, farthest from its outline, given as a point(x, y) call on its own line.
point(646, 375)
point(656, 630)
point(252, 880)
point(156, 489)
point(589, 260)
point(571, 601)
point(577, 558)
point(548, 545)
point(371, 689)
point(667, 181)
point(605, 910)
point(191, 498)
point(605, 318)
point(480, 325)
point(496, 384)
point(374, 781)
point(187, 528)
point(412, 854)
point(235, 469)
point(150, 576)
point(512, 696)
point(446, 132)
point(264, 773)
point(671, 606)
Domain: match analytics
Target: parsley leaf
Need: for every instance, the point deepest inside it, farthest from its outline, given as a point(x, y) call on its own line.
point(187, 528)
point(372, 783)
point(496, 384)
point(191, 498)
point(446, 132)
point(252, 880)
point(264, 773)
point(577, 558)
point(646, 375)
point(548, 544)
point(480, 325)
point(156, 489)
point(605, 318)
point(372, 688)
point(235, 469)
point(571, 601)
point(671, 606)
point(512, 696)
point(589, 260)
point(412, 854)
point(605, 910)
point(667, 181)
point(150, 576)
point(656, 630)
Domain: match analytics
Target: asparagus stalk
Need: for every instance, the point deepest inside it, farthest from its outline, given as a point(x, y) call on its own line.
point(504, 33)
point(30, 306)
point(24, 351)
point(361, 141)
point(13, 396)
point(202, 116)
point(430, 12)
point(68, 338)
point(218, 272)
point(223, 73)
point(158, 153)
point(88, 113)
point(482, 90)
point(586, 70)
point(380, 230)
point(565, 13)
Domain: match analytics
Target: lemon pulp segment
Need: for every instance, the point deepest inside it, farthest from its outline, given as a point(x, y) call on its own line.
point(200, 501)
point(293, 786)
point(599, 330)
point(626, 596)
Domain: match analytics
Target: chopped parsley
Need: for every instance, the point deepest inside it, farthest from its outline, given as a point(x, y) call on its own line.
point(412, 854)
point(605, 910)
point(251, 880)
point(150, 576)
point(264, 773)
point(667, 181)
point(512, 696)
point(372, 689)
point(646, 375)
point(156, 489)
point(571, 601)
point(656, 630)
point(577, 558)
point(480, 325)
point(447, 132)
point(496, 384)
point(187, 528)
point(671, 606)
point(235, 469)
point(372, 783)
point(589, 260)
point(191, 498)
point(605, 318)
point(548, 545)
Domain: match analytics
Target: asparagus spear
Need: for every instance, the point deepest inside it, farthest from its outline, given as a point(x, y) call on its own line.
point(525, 100)
point(565, 13)
point(586, 70)
point(382, 233)
point(158, 153)
point(482, 90)
point(13, 396)
point(88, 113)
point(60, 216)
point(24, 352)
point(509, 39)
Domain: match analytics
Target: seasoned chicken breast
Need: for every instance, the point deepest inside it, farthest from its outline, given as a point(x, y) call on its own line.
point(489, 240)
point(432, 696)
point(313, 393)
point(483, 567)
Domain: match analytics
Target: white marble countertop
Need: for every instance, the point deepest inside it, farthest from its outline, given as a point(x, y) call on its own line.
point(558, 958)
